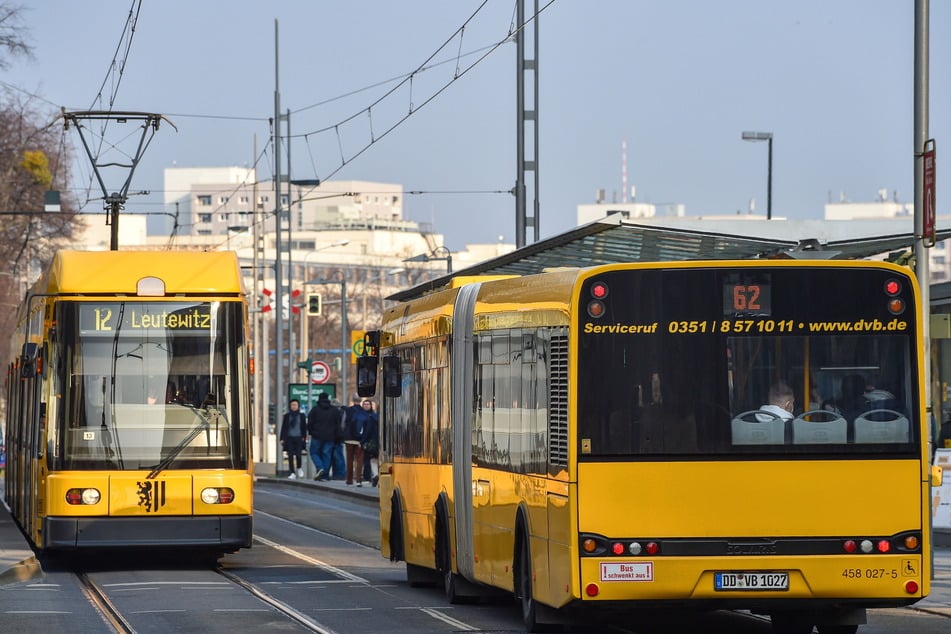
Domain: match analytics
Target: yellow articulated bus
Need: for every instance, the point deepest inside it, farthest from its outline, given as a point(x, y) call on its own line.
point(128, 404)
point(710, 435)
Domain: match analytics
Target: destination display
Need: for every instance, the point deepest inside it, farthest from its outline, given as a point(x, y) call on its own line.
point(107, 318)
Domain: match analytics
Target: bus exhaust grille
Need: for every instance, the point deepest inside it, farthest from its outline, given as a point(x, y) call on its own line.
point(558, 399)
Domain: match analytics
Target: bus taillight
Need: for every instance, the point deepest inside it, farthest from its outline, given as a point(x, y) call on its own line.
point(911, 542)
point(849, 546)
point(592, 589)
point(884, 546)
point(652, 548)
point(599, 290)
point(589, 545)
point(911, 587)
point(892, 287)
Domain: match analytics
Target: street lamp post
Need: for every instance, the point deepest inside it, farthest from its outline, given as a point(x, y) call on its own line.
point(434, 255)
point(768, 137)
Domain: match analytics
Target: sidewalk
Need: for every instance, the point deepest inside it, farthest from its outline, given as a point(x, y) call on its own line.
point(334, 487)
point(17, 561)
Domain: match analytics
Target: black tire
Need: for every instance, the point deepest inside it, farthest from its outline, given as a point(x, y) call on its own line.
point(444, 556)
point(419, 576)
point(397, 544)
point(790, 624)
point(523, 588)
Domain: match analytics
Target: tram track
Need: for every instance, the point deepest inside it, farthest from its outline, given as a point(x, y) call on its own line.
point(296, 616)
point(106, 608)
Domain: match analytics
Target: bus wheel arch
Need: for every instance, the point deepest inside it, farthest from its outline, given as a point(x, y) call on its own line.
point(458, 589)
point(416, 576)
point(397, 536)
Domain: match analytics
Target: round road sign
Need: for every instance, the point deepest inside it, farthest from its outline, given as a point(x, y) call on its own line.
point(319, 372)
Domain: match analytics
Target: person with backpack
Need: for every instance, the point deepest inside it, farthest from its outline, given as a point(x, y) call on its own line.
point(357, 416)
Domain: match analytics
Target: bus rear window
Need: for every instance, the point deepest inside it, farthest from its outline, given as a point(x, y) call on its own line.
point(696, 362)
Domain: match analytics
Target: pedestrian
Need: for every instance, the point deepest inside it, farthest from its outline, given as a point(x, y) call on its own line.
point(338, 462)
point(356, 418)
point(370, 441)
point(293, 436)
point(322, 424)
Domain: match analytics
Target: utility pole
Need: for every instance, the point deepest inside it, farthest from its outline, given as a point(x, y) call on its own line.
point(278, 261)
point(523, 67)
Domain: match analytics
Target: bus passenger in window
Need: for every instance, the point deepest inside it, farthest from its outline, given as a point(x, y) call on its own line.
point(780, 403)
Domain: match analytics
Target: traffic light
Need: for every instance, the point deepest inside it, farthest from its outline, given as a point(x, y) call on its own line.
point(313, 303)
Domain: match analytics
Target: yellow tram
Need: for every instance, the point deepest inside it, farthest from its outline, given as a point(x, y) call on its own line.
point(128, 404)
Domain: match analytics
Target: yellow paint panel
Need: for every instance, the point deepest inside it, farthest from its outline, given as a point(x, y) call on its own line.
point(112, 272)
point(749, 499)
point(240, 482)
point(57, 484)
point(134, 494)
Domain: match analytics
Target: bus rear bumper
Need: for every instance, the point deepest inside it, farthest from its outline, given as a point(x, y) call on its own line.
point(213, 532)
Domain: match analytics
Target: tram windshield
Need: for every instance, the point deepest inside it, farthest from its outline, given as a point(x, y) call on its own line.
point(150, 385)
point(792, 361)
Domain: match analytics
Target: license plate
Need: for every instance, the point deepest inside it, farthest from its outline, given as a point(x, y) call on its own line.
point(751, 581)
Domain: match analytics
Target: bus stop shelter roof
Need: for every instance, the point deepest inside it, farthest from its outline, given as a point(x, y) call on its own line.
point(615, 239)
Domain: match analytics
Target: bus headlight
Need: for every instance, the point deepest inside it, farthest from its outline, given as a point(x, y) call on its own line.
point(209, 496)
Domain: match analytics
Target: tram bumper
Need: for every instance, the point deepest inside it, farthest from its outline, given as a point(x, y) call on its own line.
point(218, 532)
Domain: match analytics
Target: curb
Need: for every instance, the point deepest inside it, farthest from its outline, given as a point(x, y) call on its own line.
point(26, 570)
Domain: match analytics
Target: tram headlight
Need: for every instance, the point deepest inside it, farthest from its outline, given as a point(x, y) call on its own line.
point(209, 496)
point(83, 496)
point(217, 495)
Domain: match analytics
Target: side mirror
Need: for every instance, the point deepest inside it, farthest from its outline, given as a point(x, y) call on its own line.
point(366, 376)
point(392, 377)
point(28, 360)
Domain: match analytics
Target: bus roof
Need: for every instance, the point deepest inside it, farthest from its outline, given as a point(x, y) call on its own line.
point(615, 239)
point(112, 272)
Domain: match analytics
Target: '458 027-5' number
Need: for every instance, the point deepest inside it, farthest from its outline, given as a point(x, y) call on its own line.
point(869, 573)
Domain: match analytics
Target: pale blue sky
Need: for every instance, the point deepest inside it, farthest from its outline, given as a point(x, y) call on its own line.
point(678, 80)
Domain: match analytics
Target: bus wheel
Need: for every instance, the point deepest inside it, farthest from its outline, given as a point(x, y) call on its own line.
point(790, 624)
point(523, 588)
point(418, 576)
point(444, 557)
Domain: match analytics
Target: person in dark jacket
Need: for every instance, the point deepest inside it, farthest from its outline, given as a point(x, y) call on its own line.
point(357, 415)
point(293, 436)
point(322, 424)
point(370, 441)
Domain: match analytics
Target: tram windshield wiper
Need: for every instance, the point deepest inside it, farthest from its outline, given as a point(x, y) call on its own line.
point(203, 426)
